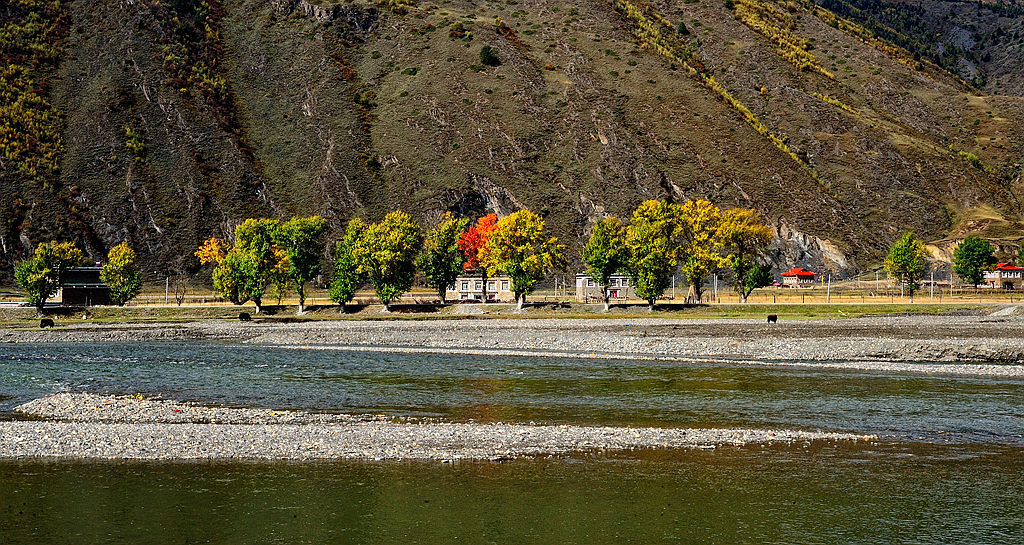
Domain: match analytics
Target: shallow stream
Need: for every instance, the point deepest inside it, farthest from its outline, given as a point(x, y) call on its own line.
point(949, 466)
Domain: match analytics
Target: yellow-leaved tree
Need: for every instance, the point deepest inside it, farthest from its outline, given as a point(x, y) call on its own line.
point(519, 249)
point(700, 255)
point(744, 237)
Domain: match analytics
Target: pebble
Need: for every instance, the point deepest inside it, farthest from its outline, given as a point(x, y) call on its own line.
point(128, 428)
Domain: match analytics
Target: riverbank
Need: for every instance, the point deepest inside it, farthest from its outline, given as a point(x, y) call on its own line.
point(956, 339)
point(119, 428)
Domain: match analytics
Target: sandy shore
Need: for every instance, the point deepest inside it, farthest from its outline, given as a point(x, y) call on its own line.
point(108, 427)
point(918, 338)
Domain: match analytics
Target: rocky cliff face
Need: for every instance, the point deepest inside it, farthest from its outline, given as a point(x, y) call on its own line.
point(181, 118)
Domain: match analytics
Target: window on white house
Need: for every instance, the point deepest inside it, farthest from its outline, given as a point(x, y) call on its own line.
point(491, 286)
point(624, 282)
point(590, 282)
point(504, 285)
point(465, 286)
point(479, 285)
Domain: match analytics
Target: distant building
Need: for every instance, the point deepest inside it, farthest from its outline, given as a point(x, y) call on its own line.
point(82, 287)
point(798, 277)
point(471, 288)
point(619, 288)
point(1004, 276)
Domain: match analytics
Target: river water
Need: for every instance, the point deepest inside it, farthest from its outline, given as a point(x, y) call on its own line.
point(949, 466)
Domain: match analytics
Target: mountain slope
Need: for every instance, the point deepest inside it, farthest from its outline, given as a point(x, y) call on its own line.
point(183, 117)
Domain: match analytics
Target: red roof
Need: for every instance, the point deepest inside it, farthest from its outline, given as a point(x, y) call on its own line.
point(797, 271)
point(1008, 267)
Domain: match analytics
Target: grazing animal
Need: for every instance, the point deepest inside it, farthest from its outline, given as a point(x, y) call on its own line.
point(772, 318)
point(244, 317)
point(45, 322)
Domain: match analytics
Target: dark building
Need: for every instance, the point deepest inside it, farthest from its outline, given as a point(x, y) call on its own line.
point(82, 287)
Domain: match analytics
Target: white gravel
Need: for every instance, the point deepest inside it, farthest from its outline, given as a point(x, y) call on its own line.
point(108, 427)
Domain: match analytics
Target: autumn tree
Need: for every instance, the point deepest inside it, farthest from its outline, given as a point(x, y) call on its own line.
point(700, 255)
point(519, 248)
point(441, 260)
point(345, 277)
point(121, 274)
point(906, 262)
point(242, 272)
point(653, 240)
point(971, 258)
point(42, 274)
point(473, 242)
point(386, 254)
point(605, 253)
point(744, 237)
point(303, 241)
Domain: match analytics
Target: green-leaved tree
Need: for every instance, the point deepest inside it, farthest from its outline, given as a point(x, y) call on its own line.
point(442, 260)
point(519, 248)
point(302, 240)
point(605, 253)
point(971, 258)
point(42, 274)
point(345, 277)
point(906, 262)
point(386, 254)
point(653, 239)
point(121, 274)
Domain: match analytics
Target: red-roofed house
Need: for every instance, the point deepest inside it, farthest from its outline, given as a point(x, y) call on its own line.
point(797, 277)
point(1004, 276)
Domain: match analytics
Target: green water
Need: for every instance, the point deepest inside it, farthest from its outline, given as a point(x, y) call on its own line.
point(948, 468)
point(730, 496)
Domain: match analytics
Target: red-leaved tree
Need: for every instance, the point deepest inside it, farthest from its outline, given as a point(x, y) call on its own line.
point(473, 242)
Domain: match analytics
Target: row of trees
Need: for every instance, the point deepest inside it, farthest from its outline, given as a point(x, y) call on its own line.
point(386, 254)
point(662, 238)
point(42, 274)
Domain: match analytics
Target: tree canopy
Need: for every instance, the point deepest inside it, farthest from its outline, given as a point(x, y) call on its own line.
point(121, 274)
point(42, 274)
point(302, 240)
point(971, 258)
point(386, 255)
point(345, 278)
point(744, 236)
point(518, 248)
point(701, 253)
point(653, 239)
point(442, 260)
point(605, 253)
point(906, 262)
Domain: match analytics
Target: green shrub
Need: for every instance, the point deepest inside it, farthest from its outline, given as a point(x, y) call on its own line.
point(488, 57)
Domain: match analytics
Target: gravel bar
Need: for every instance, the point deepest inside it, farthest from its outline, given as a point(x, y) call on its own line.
point(125, 428)
point(997, 338)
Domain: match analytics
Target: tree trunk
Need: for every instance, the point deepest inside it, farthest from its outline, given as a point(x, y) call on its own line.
point(39, 307)
point(442, 294)
point(344, 309)
point(650, 305)
point(259, 304)
point(604, 292)
point(520, 301)
point(302, 298)
point(483, 276)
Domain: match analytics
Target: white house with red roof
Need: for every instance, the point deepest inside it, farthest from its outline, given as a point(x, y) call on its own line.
point(797, 277)
point(1005, 276)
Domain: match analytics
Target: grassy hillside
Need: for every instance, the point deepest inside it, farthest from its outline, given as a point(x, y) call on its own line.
point(180, 118)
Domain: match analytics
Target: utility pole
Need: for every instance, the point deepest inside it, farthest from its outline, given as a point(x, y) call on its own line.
point(828, 290)
point(933, 285)
point(167, 288)
point(716, 287)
